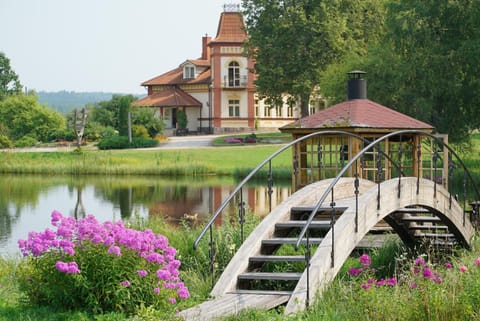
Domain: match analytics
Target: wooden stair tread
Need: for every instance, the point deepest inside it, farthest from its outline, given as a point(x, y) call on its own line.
point(284, 276)
point(290, 240)
point(431, 219)
point(262, 292)
point(435, 235)
point(277, 258)
point(310, 209)
point(428, 227)
point(407, 210)
point(314, 224)
point(233, 303)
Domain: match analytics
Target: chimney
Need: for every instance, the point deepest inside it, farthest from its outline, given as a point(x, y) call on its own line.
point(357, 86)
point(205, 48)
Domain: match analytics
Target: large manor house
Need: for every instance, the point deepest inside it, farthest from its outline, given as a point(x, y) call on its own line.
point(216, 91)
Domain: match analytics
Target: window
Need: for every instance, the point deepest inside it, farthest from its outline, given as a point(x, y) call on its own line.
point(278, 111)
point(188, 72)
point(234, 74)
point(267, 111)
point(290, 111)
point(257, 108)
point(234, 107)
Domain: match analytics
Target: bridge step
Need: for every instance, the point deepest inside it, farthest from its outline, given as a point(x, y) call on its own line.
point(287, 276)
point(290, 240)
point(421, 219)
point(277, 258)
point(262, 292)
point(412, 210)
point(300, 224)
point(436, 235)
point(302, 212)
point(428, 227)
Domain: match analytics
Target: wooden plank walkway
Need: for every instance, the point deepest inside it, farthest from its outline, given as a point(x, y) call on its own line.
point(233, 303)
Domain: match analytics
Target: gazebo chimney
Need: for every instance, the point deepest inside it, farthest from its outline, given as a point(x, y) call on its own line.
point(357, 86)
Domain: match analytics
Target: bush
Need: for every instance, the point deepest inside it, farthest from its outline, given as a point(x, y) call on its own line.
point(99, 267)
point(121, 142)
point(5, 142)
point(140, 131)
point(26, 141)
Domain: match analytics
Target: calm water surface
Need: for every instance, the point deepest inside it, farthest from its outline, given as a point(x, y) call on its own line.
point(27, 201)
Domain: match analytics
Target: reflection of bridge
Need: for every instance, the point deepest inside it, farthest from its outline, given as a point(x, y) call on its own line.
point(331, 217)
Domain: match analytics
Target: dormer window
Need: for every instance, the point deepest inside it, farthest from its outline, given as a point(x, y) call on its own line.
point(189, 72)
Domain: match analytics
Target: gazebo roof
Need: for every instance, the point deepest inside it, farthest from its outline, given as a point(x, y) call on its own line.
point(360, 114)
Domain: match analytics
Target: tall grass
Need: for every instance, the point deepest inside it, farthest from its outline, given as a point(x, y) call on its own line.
point(194, 162)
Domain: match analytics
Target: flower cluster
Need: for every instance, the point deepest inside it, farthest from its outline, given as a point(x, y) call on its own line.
point(156, 262)
point(420, 271)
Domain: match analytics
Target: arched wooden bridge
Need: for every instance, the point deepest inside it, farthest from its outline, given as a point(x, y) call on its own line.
point(329, 219)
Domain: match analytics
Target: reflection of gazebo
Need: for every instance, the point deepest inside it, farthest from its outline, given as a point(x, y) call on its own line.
point(320, 157)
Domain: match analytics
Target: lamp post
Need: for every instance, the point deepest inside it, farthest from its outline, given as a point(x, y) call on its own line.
point(210, 129)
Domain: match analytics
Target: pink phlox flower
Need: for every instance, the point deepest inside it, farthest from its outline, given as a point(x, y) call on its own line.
point(416, 270)
point(142, 273)
point(67, 267)
point(163, 275)
point(419, 261)
point(156, 290)
point(381, 282)
point(125, 283)
point(365, 286)
point(353, 271)
point(448, 265)
point(427, 273)
point(114, 250)
point(56, 217)
point(161, 242)
point(463, 268)
point(477, 261)
point(155, 258)
point(371, 281)
point(365, 260)
point(392, 281)
point(172, 300)
point(170, 253)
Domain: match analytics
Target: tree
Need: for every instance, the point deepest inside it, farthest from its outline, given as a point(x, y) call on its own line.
point(22, 115)
point(9, 83)
point(146, 117)
point(293, 41)
point(124, 108)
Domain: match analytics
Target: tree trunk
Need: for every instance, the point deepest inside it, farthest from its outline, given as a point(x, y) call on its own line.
point(304, 102)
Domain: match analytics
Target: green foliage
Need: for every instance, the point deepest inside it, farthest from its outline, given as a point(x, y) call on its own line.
point(5, 142)
point(25, 116)
point(182, 119)
point(9, 83)
point(140, 131)
point(26, 141)
point(121, 142)
point(292, 42)
point(146, 117)
point(124, 109)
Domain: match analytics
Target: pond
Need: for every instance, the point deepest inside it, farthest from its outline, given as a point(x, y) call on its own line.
point(27, 201)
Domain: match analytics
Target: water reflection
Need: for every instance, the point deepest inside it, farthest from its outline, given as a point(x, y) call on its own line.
point(26, 201)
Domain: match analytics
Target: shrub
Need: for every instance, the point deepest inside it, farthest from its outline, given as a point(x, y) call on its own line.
point(121, 142)
point(99, 267)
point(5, 142)
point(26, 141)
point(140, 131)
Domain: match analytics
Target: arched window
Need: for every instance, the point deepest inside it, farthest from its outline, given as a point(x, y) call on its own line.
point(233, 74)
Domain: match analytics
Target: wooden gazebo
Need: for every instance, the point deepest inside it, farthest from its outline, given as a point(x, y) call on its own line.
point(320, 157)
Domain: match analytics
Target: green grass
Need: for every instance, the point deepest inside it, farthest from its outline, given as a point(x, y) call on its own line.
point(193, 162)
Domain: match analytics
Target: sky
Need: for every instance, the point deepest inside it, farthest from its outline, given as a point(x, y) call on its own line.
point(102, 45)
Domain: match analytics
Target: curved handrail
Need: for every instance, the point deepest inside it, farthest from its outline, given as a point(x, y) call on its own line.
point(256, 169)
point(355, 158)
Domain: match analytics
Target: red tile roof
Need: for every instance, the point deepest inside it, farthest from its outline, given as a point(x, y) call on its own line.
point(175, 77)
point(358, 113)
point(231, 28)
point(168, 97)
